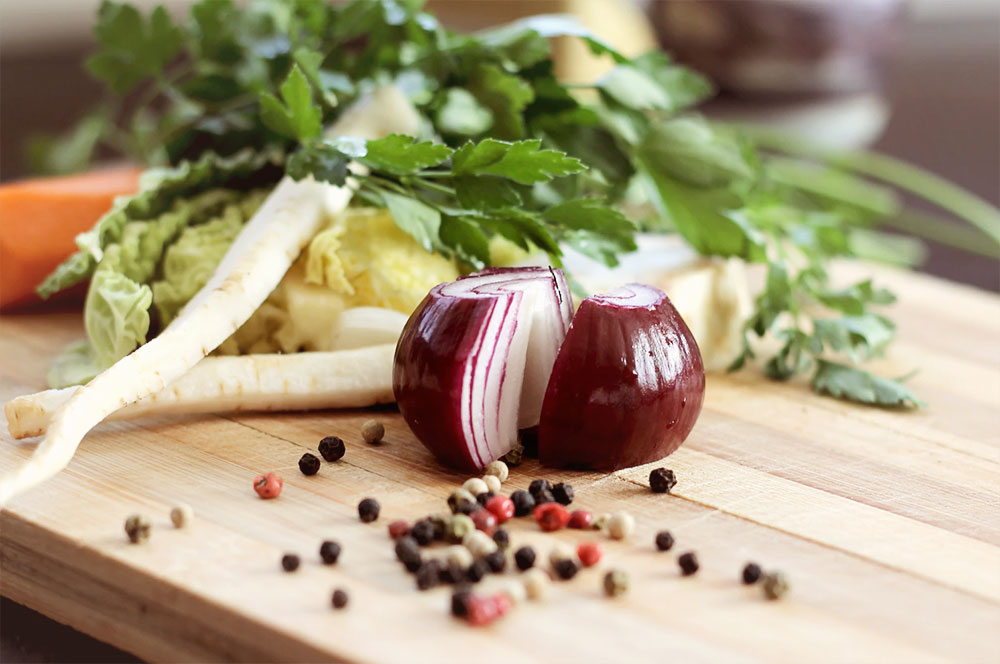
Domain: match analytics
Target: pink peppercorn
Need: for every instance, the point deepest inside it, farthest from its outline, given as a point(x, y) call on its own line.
point(580, 519)
point(485, 521)
point(501, 507)
point(589, 553)
point(503, 603)
point(267, 486)
point(481, 610)
point(551, 516)
point(398, 528)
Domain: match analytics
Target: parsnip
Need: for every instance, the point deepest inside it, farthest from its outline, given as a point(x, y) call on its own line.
point(297, 381)
point(249, 271)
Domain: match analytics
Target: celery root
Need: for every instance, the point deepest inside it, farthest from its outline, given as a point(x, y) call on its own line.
point(255, 263)
point(298, 381)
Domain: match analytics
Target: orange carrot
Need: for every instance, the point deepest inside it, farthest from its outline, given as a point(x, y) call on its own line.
point(39, 219)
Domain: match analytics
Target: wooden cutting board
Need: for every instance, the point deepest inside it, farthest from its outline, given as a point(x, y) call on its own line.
point(886, 523)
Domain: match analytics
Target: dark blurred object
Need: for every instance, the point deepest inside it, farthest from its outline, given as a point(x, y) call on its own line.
point(781, 47)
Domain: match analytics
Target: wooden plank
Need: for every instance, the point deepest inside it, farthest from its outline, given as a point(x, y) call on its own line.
point(885, 522)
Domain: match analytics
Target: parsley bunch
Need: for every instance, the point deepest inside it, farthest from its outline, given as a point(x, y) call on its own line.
point(507, 149)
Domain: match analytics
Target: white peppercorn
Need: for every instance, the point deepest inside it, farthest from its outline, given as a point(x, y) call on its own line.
point(458, 555)
point(479, 543)
point(458, 526)
point(181, 515)
point(600, 522)
point(492, 483)
point(515, 590)
point(137, 528)
point(372, 431)
point(775, 585)
point(499, 469)
point(561, 552)
point(475, 486)
point(536, 583)
point(621, 525)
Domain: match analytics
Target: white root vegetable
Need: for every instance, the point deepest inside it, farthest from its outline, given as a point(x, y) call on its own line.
point(298, 381)
point(253, 266)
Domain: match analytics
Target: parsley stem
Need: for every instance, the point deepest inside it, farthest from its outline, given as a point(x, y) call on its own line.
point(433, 186)
point(930, 187)
point(943, 231)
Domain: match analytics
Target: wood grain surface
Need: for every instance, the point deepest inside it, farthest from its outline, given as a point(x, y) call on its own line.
point(886, 523)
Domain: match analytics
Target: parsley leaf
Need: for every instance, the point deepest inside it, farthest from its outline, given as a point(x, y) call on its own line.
point(415, 217)
point(524, 161)
point(131, 48)
point(846, 382)
point(297, 118)
point(400, 154)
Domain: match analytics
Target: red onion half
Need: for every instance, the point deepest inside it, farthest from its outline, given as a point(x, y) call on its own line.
point(627, 385)
point(474, 359)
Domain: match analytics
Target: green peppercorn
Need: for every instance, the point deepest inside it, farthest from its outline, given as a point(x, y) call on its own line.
point(775, 585)
point(137, 527)
point(459, 526)
point(616, 583)
point(368, 510)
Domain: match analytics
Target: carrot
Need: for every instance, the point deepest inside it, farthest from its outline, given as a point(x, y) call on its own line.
point(39, 219)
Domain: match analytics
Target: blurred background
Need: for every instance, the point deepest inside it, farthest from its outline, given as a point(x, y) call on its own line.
point(916, 79)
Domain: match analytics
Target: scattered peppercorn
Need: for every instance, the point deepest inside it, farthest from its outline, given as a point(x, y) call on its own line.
point(751, 573)
point(372, 431)
point(515, 591)
point(468, 509)
point(458, 497)
point(368, 510)
point(479, 544)
point(664, 540)
point(309, 464)
point(498, 469)
point(484, 610)
point(428, 574)
point(477, 571)
point(181, 515)
point(408, 552)
point(775, 585)
point(332, 448)
point(440, 524)
point(600, 522)
point(501, 507)
point(688, 562)
point(566, 568)
point(423, 532)
point(551, 516)
point(502, 538)
point(524, 558)
point(539, 485)
point(662, 480)
point(340, 598)
point(523, 501)
point(589, 553)
point(580, 519)
point(458, 526)
point(451, 572)
point(496, 560)
point(267, 486)
point(475, 486)
point(544, 496)
point(493, 484)
point(484, 498)
point(398, 528)
point(458, 555)
point(616, 583)
point(137, 527)
point(290, 562)
point(620, 525)
point(536, 583)
point(485, 521)
point(460, 603)
point(514, 457)
point(563, 493)
point(329, 552)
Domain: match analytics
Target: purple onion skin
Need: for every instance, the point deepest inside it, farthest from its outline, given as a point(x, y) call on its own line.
point(626, 388)
point(428, 371)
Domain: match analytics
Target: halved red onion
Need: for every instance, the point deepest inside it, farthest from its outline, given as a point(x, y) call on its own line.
point(473, 361)
point(627, 385)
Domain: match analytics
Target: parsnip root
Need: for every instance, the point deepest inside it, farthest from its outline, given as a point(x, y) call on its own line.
point(300, 381)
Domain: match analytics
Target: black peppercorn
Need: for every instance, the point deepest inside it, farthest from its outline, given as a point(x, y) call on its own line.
point(502, 538)
point(751, 573)
point(408, 552)
point(368, 510)
point(329, 552)
point(563, 493)
point(544, 496)
point(467, 508)
point(290, 562)
point(428, 574)
point(483, 497)
point(664, 540)
point(662, 480)
point(339, 599)
point(460, 603)
point(451, 572)
point(332, 448)
point(688, 562)
point(566, 568)
point(496, 560)
point(537, 486)
point(523, 501)
point(477, 571)
point(309, 464)
point(440, 526)
point(524, 558)
point(423, 532)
